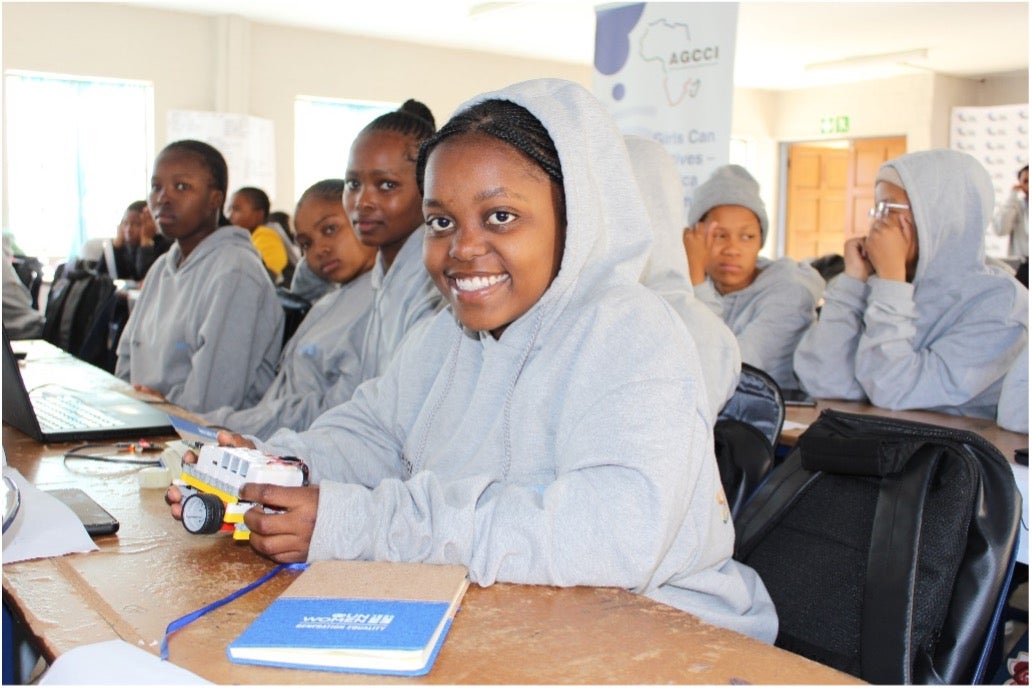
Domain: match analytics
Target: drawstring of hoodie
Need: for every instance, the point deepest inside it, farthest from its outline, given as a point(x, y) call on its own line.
point(453, 365)
point(507, 414)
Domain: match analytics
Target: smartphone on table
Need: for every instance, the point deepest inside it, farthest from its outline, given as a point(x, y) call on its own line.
point(94, 517)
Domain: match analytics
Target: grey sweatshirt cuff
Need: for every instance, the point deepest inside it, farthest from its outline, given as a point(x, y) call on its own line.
point(341, 525)
point(847, 291)
point(894, 292)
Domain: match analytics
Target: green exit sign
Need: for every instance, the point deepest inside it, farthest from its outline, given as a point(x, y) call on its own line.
point(838, 124)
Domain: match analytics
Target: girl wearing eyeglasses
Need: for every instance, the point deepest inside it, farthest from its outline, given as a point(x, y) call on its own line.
point(919, 320)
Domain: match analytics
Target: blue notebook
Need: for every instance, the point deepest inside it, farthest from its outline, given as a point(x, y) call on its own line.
point(356, 616)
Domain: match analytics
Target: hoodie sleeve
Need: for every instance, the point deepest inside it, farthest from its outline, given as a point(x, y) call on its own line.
point(604, 513)
point(240, 335)
point(769, 340)
point(824, 360)
point(898, 373)
point(292, 411)
point(1012, 413)
point(551, 534)
point(706, 293)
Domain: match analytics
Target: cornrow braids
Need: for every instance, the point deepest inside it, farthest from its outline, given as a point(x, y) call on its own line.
point(214, 161)
point(508, 122)
point(412, 119)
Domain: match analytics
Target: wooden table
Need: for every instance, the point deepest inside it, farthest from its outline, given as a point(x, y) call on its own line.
point(1006, 441)
point(153, 571)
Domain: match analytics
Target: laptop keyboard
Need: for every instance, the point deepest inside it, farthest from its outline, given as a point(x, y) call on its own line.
point(70, 413)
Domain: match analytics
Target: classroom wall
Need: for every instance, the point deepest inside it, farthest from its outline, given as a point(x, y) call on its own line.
point(917, 106)
point(232, 64)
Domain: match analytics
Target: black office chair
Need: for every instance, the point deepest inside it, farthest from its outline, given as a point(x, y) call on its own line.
point(887, 547)
point(746, 434)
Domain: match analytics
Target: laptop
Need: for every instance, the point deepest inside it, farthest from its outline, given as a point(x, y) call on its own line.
point(53, 411)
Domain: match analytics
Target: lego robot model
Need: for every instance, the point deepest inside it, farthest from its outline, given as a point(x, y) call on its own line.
point(210, 496)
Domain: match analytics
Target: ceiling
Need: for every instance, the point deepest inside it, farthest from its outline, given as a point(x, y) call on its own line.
point(775, 42)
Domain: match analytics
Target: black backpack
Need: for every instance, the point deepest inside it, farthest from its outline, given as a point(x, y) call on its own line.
point(76, 300)
point(887, 547)
point(746, 433)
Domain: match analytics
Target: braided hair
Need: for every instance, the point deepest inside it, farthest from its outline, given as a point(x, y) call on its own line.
point(412, 119)
point(212, 160)
point(510, 123)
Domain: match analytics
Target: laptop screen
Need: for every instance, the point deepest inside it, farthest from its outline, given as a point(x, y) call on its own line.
point(68, 399)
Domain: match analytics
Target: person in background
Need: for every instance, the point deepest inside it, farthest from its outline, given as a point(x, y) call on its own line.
point(282, 219)
point(767, 304)
point(249, 209)
point(137, 244)
point(1012, 412)
point(550, 427)
point(1011, 220)
point(207, 328)
point(918, 319)
point(280, 222)
point(21, 321)
point(667, 269)
point(319, 367)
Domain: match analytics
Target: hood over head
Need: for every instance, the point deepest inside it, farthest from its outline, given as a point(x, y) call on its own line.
point(608, 236)
point(661, 189)
point(951, 199)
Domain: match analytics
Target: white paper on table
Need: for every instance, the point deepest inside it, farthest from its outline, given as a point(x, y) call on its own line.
point(44, 526)
point(789, 425)
point(115, 662)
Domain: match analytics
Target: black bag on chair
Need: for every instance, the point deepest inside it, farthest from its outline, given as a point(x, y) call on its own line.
point(75, 300)
point(887, 547)
point(746, 433)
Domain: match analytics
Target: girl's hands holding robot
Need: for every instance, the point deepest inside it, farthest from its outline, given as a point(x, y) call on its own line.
point(285, 534)
point(174, 497)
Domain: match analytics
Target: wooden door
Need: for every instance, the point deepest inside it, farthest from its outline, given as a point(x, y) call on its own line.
point(816, 213)
point(866, 157)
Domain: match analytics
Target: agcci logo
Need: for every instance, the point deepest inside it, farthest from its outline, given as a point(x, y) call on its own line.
point(690, 57)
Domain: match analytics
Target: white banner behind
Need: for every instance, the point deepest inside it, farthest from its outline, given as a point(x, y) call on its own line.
point(665, 71)
point(998, 137)
point(246, 142)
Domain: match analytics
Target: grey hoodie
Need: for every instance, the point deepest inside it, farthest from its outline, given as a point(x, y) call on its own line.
point(943, 342)
point(319, 368)
point(667, 269)
point(1013, 410)
point(402, 297)
point(207, 333)
point(771, 315)
point(575, 450)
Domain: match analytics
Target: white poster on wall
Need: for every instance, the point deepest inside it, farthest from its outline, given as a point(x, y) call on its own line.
point(998, 137)
point(246, 142)
point(665, 71)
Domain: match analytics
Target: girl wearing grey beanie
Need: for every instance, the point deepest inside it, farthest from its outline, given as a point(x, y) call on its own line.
point(768, 305)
